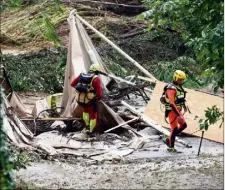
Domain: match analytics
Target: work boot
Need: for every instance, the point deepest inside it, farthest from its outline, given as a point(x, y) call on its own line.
point(90, 134)
point(171, 149)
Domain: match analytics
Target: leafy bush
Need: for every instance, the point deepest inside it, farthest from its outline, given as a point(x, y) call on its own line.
point(164, 71)
point(213, 115)
point(201, 24)
point(9, 159)
point(6, 165)
point(36, 71)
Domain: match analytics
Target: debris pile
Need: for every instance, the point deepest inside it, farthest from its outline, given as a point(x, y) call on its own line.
point(55, 125)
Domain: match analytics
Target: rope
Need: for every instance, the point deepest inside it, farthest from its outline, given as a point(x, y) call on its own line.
point(195, 132)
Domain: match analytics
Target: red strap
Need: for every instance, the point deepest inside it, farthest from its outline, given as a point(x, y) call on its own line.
point(97, 86)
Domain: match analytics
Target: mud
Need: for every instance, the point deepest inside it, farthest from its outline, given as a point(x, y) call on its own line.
point(150, 167)
point(173, 173)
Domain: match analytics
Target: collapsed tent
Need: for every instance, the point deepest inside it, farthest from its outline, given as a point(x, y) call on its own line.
point(55, 142)
point(81, 54)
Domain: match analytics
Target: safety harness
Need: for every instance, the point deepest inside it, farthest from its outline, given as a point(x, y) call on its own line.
point(86, 93)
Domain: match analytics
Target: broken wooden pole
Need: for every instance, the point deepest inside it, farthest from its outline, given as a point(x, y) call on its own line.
point(114, 46)
point(120, 79)
point(146, 79)
point(152, 123)
point(120, 125)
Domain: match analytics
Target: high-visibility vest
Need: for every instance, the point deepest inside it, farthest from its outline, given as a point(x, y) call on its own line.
point(179, 98)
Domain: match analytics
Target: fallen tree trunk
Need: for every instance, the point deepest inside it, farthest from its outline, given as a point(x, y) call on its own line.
point(153, 124)
point(108, 6)
point(92, 13)
point(129, 35)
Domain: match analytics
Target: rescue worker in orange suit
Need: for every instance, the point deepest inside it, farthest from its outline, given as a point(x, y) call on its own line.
point(88, 93)
point(174, 103)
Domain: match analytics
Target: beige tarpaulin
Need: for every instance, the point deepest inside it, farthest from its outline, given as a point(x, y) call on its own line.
point(18, 106)
point(197, 102)
point(81, 54)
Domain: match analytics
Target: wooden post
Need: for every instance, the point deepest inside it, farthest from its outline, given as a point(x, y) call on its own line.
point(200, 143)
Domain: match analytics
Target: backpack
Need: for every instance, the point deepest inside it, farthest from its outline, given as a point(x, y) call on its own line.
point(163, 96)
point(86, 94)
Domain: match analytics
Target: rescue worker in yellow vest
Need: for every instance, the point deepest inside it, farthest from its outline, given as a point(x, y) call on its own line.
point(88, 92)
point(174, 103)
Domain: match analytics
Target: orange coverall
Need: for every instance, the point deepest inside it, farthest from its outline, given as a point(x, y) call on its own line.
point(176, 119)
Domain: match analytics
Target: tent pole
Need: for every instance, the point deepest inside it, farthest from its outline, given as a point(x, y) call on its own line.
point(116, 48)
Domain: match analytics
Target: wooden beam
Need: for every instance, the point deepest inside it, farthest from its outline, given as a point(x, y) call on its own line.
point(146, 79)
point(152, 123)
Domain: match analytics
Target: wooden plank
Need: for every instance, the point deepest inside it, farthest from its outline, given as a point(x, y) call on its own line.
point(197, 102)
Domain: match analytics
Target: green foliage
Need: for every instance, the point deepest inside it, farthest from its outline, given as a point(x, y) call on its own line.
point(117, 69)
point(10, 4)
point(147, 49)
point(20, 160)
point(201, 24)
point(6, 165)
point(31, 25)
point(213, 115)
point(36, 71)
point(57, 4)
point(50, 31)
point(164, 70)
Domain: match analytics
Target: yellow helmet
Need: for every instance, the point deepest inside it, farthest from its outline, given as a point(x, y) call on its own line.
point(178, 74)
point(95, 67)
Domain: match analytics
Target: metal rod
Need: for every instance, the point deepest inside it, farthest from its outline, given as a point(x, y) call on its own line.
point(145, 94)
point(116, 47)
point(200, 143)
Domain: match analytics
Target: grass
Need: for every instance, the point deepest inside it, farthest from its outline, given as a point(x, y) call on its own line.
point(25, 26)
